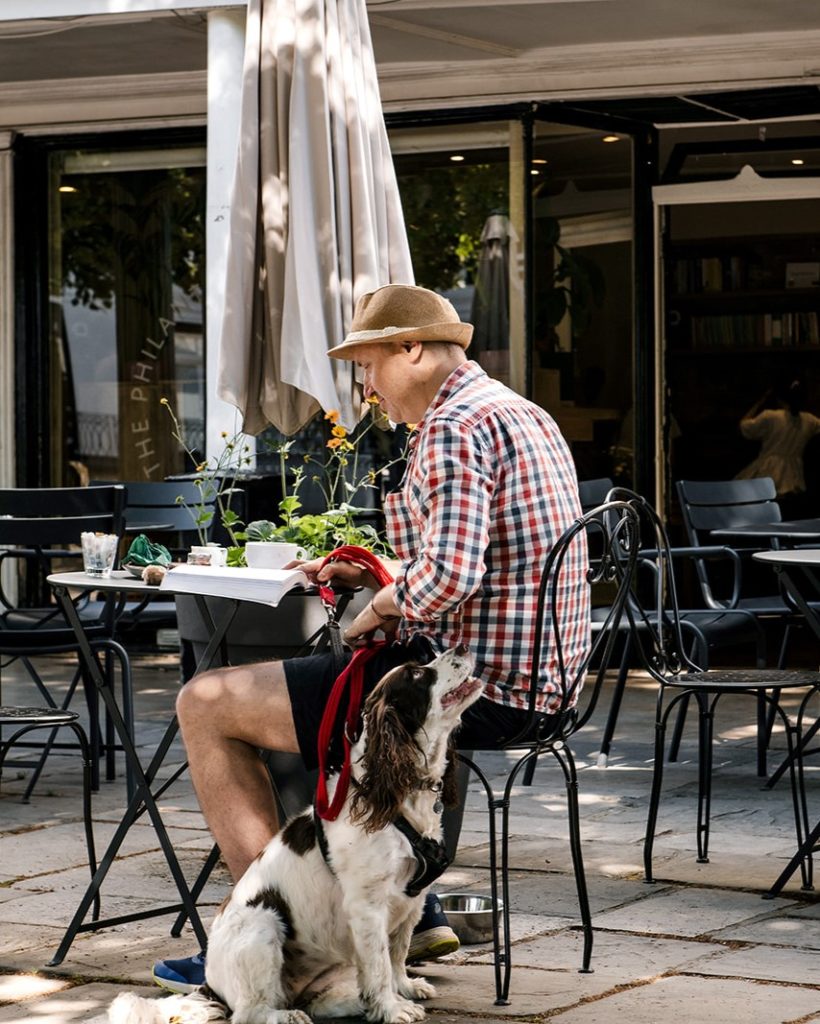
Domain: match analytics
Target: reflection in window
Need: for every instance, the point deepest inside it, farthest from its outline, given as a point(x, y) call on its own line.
point(455, 190)
point(127, 294)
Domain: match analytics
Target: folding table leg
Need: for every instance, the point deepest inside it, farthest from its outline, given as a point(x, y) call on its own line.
point(143, 801)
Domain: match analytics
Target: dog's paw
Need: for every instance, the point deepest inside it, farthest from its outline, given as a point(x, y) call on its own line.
point(417, 988)
point(397, 1011)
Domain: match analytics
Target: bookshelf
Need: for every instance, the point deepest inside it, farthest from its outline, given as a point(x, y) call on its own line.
point(742, 316)
point(743, 295)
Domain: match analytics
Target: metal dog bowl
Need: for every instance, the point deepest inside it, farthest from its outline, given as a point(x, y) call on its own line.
point(470, 915)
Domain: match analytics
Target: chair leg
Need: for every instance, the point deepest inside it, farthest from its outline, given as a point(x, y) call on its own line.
point(795, 749)
point(563, 756)
point(38, 768)
point(784, 643)
point(803, 743)
point(615, 705)
point(677, 732)
point(501, 918)
point(657, 781)
point(705, 737)
point(88, 822)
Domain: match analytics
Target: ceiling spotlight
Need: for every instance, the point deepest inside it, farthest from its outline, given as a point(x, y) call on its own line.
point(611, 138)
point(456, 158)
point(67, 188)
point(534, 171)
point(538, 160)
point(797, 162)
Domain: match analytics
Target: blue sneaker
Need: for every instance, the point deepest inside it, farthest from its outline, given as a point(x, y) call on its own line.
point(433, 937)
point(180, 976)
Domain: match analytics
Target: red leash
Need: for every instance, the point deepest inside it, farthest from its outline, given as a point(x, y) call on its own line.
point(353, 676)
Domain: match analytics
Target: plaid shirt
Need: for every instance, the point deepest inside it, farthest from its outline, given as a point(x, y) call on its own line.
point(489, 488)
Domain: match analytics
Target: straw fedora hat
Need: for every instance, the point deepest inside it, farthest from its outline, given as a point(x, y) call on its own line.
point(402, 312)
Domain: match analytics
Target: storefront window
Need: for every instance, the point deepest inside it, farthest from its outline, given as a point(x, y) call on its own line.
point(583, 293)
point(126, 275)
point(461, 199)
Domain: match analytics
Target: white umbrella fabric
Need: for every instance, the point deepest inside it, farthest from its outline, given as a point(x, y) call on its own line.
point(316, 218)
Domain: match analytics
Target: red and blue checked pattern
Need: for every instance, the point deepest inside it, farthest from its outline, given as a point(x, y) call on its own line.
point(489, 488)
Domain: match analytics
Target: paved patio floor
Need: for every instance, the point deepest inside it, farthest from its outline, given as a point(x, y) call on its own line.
point(698, 946)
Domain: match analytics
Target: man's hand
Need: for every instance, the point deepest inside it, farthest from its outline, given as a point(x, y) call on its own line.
point(381, 613)
point(346, 573)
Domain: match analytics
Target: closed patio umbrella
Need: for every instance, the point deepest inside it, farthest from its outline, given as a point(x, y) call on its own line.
point(316, 218)
point(490, 313)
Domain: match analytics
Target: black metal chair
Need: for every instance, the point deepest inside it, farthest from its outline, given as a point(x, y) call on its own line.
point(39, 530)
point(24, 720)
point(658, 635)
point(721, 504)
point(706, 630)
point(611, 531)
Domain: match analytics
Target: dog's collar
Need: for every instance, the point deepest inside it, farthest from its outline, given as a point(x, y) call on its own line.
point(431, 856)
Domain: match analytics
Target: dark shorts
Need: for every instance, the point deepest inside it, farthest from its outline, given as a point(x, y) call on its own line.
point(485, 725)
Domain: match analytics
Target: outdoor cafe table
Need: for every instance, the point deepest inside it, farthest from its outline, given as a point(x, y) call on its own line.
point(145, 798)
point(797, 571)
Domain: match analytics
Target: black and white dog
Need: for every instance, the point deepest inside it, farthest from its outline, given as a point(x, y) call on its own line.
point(320, 923)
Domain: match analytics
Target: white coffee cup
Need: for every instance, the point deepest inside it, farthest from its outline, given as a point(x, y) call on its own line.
point(272, 554)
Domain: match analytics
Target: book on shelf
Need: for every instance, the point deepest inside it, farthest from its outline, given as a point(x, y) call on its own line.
point(803, 275)
point(264, 586)
point(756, 330)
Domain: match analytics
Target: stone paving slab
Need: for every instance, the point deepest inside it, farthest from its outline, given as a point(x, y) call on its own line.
point(779, 930)
point(754, 871)
point(700, 1001)
point(769, 963)
point(17, 987)
point(146, 875)
point(687, 912)
point(27, 855)
point(619, 959)
point(87, 1003)
point(748, 952)
point(470, 989)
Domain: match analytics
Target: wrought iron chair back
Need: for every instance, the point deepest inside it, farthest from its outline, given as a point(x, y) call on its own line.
point(39, 526)
point(569, 574)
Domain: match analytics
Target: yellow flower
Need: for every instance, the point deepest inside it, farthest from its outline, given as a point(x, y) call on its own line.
point(332, 415)
point(224, 433)
point(334, 442)
point(411, 426)
point(339, 432)
point(373, 399)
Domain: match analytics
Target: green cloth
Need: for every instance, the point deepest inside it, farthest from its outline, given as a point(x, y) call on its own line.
point(144, 552)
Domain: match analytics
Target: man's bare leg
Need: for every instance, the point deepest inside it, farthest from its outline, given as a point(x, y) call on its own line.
point(225, 715)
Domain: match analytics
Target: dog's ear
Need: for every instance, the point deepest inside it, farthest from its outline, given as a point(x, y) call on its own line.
point(390, 768)
point(449, 791)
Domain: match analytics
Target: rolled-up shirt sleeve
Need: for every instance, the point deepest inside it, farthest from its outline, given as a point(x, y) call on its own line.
point(451, 501)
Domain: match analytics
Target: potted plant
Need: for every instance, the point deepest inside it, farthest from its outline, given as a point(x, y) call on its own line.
point(349, 492)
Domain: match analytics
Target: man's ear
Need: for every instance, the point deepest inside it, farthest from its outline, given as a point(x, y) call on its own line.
point(414, 350)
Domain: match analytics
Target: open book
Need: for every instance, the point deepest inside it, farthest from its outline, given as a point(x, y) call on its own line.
point(265, 586)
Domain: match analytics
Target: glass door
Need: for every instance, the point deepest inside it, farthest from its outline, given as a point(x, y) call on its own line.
point(126, 300)
point(582, 293)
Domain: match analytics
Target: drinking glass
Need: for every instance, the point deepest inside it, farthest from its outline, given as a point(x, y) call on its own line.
point(99, 550)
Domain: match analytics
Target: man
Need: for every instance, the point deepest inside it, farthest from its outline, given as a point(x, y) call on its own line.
point(489, 488)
